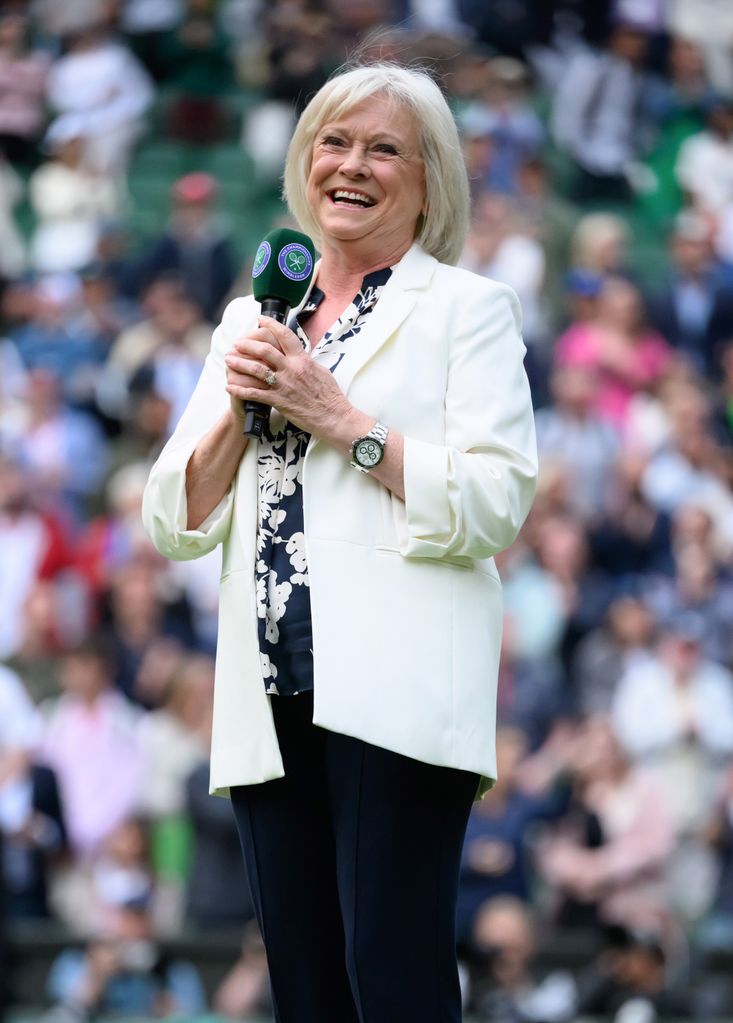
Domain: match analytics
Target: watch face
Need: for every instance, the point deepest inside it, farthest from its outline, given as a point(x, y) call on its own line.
point(368, 453)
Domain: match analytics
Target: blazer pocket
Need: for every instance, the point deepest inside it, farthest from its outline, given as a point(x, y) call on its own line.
point(450, 561)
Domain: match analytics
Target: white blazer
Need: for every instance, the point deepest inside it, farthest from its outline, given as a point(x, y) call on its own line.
point(405, 597)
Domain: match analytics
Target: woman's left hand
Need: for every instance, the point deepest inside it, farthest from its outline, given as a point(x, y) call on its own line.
point(303, 391)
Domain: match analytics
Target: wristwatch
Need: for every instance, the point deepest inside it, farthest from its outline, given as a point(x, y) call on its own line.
point(367, 452)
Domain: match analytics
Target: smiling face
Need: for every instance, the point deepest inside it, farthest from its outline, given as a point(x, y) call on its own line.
point(366, 185)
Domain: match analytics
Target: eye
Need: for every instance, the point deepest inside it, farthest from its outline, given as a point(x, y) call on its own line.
point(385, 147)
point(332, 140)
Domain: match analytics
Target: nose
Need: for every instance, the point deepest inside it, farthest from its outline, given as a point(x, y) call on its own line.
point(354, 162)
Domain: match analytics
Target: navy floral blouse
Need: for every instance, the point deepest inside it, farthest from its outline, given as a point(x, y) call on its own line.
point(281, 571)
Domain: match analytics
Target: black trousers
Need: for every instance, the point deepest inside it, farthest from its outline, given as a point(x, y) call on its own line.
point(353, 861)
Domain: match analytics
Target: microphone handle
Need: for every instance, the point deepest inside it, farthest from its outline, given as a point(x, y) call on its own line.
point(256, 414)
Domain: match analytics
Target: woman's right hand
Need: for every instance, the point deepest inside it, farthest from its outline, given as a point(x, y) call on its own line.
point(242, 372)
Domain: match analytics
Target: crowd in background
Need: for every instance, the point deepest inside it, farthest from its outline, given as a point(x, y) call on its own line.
point(598, 138)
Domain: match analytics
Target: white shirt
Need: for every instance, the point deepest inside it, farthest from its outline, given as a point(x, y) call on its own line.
point(101, 88)
point(705, 168)
point(20, 723)
point(593, 113)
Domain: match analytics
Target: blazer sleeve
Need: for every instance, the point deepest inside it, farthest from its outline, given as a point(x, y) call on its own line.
point(470, 496)
point(165, 511)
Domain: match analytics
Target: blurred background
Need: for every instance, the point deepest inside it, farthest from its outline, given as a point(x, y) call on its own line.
point(141, 147)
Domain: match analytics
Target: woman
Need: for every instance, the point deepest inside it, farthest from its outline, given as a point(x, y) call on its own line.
point(607, 858)
point(385, 631)
point(618, 346)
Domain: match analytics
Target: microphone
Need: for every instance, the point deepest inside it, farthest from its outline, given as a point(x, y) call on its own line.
point(281, 276)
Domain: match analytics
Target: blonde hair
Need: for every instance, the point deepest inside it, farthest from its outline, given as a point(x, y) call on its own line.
point(442, 229)
point(597, 238)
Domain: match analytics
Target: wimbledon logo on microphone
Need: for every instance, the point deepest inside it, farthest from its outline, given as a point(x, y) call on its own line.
point(295, 261)
point(261, 259)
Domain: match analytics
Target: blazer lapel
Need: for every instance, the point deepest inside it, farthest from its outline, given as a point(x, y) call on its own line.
point(412, 273)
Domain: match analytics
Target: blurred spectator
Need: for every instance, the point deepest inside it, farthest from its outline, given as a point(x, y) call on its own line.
point(631, 980)
point(122, 970)
point(478, 153)
point(711, 26)
point(700, 584)
point(110, 542)
point(12, 245)
point(595, 115)
point(705, 161)
point(164, 352)
point(12, 384)
point(91, 743)
point(694, 310)
point(105, 311)
point(137, 612)
point(146, 23)
point(675, 102)
point(145, 424)
point(633, 537)
point(563, 551)
point(689, 466)
point(69, 201)
point(54, 338)
point(23, 72)
point(193, 246)
point(112, 258)
point(581, 291)
point(46, 629)
point(5, 993)
point(572, 436)
point(533, 601)
point(674, 713)
point(33, 546)
point(502, 111)
point(194, 55)
point(678, 98)
point(20, 724)
point(174, 739)
point(496, 853)
point(618, 347)
point(61, 449)
point(600, 245)
point(503, 245)
point(723, 399)
point(716, 931)
point(531, 691)
point(60, 20)
point(502, 986)
point(217, 890)
point(31, 819)
point(101, 93)
point(554, 220)
point(606, 858)
point(507, 28)
point(606, 653)
point(198, 582)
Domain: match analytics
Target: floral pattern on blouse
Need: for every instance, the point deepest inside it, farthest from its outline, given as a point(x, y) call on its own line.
point(281, 570)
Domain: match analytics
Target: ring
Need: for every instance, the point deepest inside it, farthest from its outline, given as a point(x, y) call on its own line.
point(271, 379)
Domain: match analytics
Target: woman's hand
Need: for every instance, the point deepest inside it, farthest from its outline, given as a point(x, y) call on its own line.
point(306, 394)
point(303, 391)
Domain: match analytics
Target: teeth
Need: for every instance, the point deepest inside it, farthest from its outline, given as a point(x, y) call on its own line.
point(353, 197)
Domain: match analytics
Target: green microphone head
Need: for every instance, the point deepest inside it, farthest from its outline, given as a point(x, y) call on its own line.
point(283, 267)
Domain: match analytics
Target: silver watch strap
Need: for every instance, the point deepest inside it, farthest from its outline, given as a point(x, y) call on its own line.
point(379, 432)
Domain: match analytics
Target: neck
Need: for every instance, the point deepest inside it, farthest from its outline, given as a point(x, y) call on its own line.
point(344, 267)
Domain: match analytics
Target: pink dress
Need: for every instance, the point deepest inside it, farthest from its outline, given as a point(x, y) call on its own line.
point(582, 345)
